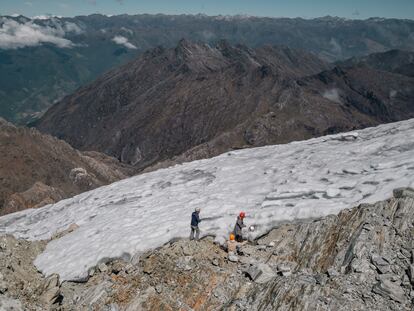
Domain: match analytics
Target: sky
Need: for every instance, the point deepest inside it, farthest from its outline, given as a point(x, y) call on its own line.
point(356, 9)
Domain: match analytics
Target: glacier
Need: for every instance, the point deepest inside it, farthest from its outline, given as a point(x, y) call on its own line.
point(272, 184)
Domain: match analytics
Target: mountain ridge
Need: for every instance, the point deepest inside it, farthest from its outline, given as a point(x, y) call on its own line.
point(169, 101)
point(33, 85)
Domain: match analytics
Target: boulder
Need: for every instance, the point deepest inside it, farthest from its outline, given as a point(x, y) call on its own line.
point(381, 263)
point(51, 289)
point(388, 289)
point(411, 273)
point(233, 257)
point(102, 267)
point(215, 262)
point(117, 267)
point(260, 272)
point(403, 193)
point(284, 269)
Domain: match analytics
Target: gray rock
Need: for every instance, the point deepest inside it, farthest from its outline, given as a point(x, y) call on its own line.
point(411, 273)
point(91, 272)
point(260, 273)
point(253, 272)
point(361, 266)
point(102, 267)
point(284, 269)
point(321, 279)
point(51, 289)
point(117, 267)
point(387, 289)
point(381, 263)
point(403, 193)
point(185, 263)
point(215, 262)
point(332, 273)
point(232, 257)
point(3, 286)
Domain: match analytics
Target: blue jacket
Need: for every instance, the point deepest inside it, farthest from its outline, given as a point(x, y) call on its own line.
point(195, 219)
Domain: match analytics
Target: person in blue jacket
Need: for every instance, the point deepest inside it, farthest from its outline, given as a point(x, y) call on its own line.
point(195, 220)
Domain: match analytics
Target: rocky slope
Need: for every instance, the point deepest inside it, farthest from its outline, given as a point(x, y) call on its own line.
point(396, 61)
point(37, 169)
point(197, 101)
point(361, 259)
point(66, 53)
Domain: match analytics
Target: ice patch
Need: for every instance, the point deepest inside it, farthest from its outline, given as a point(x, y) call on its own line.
point(272, 184)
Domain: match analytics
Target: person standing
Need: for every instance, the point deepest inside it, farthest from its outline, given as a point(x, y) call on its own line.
point(239, 226)
point(195, 220)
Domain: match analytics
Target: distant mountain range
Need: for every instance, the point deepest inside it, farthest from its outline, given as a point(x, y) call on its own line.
point(62, 54)
point(197, 100)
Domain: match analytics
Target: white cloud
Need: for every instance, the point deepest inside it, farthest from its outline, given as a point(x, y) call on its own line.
point(45, 17)
point(72, 27)
point(127, 30)
point(332, 95)
point(123, 41)
point(14, 35)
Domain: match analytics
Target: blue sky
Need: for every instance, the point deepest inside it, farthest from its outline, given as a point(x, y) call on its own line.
point(276, 8)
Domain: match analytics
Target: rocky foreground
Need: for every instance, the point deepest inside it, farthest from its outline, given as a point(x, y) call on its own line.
point(361, 259)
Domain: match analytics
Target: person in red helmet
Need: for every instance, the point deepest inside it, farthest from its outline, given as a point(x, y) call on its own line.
point(239, 226)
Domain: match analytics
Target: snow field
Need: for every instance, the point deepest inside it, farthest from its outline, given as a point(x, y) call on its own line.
point(272, 184)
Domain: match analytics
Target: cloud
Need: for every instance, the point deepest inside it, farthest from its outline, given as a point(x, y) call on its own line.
point(120, 1)
point(124, 41)
point(28, 3)
point(92, 2)
point(14, 35)
point(72, 27)
point(127, 30)
point(332, 95)
point(336, 47)
point(45, 17)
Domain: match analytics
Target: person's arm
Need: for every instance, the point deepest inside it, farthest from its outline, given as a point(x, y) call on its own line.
point(198, 218)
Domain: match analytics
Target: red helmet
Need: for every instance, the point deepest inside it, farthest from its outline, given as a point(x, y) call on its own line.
point(242, 214)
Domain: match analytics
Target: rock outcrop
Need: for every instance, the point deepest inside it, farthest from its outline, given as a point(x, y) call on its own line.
point(361, 259)
point(37, 169)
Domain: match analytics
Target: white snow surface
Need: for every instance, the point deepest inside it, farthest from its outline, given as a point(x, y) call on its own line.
point(272, 184)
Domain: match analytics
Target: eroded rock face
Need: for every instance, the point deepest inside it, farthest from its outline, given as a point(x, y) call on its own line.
point(361, 259)
point(36, 196)
point(37, 169)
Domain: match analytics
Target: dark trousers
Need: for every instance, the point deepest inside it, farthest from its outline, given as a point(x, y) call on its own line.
point(196, 230)
point(239, 238)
